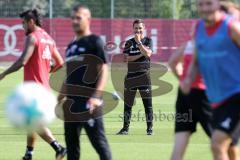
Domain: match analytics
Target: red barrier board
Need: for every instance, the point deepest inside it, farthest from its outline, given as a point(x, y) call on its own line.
point(167, 35)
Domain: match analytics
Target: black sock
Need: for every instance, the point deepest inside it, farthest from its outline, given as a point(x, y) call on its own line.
point(127, 116)
point(149, 118)
point(56, 146)
point(29, 151)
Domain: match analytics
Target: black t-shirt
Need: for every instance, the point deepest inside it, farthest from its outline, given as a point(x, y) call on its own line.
point(131, 49)
point(84, 58)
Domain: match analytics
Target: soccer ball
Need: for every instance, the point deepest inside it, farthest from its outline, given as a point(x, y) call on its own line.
point(31, 106)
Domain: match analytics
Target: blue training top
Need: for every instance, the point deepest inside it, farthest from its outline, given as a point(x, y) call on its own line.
point(218, 58)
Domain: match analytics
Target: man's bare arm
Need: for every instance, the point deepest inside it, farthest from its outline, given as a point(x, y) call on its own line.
point(23, 59)
point(146, 51)
point(95, 100)
point(175, 59)
point(58, 60)
point(191, 75)
point(235, 32)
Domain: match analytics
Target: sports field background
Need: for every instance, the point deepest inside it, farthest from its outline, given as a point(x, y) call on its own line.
point(137, 145)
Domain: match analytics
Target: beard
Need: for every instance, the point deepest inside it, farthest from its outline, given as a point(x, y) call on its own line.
point(27, 32)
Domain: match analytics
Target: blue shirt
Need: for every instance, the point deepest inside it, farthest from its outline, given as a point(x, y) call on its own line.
point(218, 58)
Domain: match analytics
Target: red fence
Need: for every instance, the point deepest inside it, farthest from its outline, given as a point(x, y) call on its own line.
point(167, 35)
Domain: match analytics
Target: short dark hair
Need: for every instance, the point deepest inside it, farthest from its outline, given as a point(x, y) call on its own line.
point(32, 14)
point(137, 21)
point(79, 6)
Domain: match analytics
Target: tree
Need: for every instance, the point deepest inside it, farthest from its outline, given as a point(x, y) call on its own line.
point(102, 8)
point(188, 9)
point(11, 8)
point(40, 5)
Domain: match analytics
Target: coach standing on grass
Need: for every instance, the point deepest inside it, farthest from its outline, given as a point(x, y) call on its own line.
point(84, 46)
point(137, 52)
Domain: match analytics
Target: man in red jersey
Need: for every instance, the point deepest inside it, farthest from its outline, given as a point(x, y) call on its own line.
point(38, 52)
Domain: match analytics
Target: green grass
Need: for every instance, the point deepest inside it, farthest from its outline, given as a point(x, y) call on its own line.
point(134, 146)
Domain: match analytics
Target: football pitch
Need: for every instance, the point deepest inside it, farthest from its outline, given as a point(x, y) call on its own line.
point(137, 145)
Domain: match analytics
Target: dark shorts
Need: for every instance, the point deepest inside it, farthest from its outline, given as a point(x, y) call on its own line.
point(226, 117)
point(137, 81)
point(191, 109)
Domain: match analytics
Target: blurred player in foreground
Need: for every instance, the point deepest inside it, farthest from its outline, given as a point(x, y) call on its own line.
point(84, 46)
point(38, 51)
point(196, 103)
point(217, 57)
point(184, 53)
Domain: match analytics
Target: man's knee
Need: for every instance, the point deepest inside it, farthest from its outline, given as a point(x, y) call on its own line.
point(233, 152)
point(220, 142)
point(216, 146)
